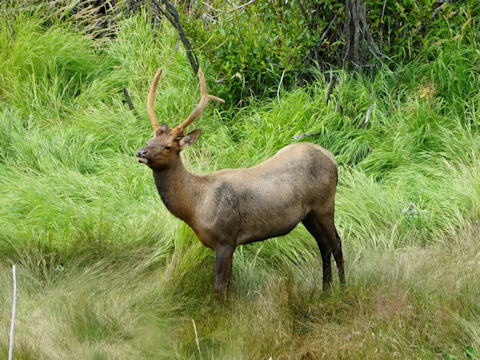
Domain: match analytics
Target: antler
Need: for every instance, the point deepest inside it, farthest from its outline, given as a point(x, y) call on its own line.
point(151, 100)
point(205, 98)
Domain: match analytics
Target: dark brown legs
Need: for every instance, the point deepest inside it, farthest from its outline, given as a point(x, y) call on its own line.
point(223, 267)
point(323, 230)
point(338, 255)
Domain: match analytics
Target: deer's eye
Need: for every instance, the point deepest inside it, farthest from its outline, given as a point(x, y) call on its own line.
point(168, 147)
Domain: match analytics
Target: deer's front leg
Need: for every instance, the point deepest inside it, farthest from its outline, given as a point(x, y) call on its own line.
point(223, 267)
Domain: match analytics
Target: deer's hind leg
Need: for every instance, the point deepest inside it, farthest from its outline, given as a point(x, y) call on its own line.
point(326, 223)
point(339, 258)
point(317, 232)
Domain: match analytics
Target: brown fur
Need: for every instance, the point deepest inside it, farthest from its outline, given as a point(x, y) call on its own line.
point(239, 206)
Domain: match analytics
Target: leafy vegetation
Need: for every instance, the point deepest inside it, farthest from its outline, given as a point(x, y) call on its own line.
point(282, 41)
point(105, 272)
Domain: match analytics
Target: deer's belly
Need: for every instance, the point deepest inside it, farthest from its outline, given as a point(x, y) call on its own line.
point(266, 228)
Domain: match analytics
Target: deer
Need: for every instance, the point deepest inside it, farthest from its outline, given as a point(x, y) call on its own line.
point(232, 207)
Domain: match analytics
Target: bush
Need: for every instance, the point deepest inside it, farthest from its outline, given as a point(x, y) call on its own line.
point(251, 47)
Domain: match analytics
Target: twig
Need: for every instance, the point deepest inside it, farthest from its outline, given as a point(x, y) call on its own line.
point(382, 24)
point(204, 44)
point(241, 7)
point(347, 33)
point(129, 102)
point(163, 12)
point(304, 136)
point(370, 38)
point(171, 13)
point(196, 337)
point(325, 33)
point(212, 8)
point(302, 10)
point(356, 30)
point(280, 85)
point(215, 48)
point(435, 12)
point(235, 7)
point(322, 38)
point(14, 310)
point(367, 117)
point(333, 81)
point(383, 11)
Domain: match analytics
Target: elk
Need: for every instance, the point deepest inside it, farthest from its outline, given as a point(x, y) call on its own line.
point(232, 207)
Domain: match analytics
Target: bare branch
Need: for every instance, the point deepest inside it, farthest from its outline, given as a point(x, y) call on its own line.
point(298, 137)
point(302, 9)
point(382, 23)
point(171, 13)
point(333, 81)
point(435, 12)
point(370, 41)
point(14, 310)
point(280, 85)
point(325, 33)
point(367, 117)
point(322, 38)
point(196, 337)
point(241, 7)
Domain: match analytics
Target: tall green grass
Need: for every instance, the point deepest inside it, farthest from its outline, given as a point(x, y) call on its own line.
point(105, 272)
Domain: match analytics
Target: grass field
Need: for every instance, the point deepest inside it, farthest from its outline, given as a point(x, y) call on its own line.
point(106, 272)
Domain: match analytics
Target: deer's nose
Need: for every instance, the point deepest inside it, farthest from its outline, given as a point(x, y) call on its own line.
point(141, 153)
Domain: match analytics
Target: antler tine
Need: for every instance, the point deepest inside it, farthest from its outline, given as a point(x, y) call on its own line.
point(151, 100)
point(205, 98)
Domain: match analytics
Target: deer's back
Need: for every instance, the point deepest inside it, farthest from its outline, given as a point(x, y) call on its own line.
point(269, 199)
point(295, 167)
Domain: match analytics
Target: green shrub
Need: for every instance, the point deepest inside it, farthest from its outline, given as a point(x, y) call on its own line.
point(250, 49)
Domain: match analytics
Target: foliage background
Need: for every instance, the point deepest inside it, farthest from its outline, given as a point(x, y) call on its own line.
point(105, 272)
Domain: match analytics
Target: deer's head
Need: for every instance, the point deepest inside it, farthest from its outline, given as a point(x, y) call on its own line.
point(162, 150)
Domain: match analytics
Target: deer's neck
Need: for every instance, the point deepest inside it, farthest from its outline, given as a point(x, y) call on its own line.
point(179, 190)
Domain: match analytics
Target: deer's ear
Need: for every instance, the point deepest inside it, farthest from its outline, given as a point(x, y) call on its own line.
point(190, 139)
